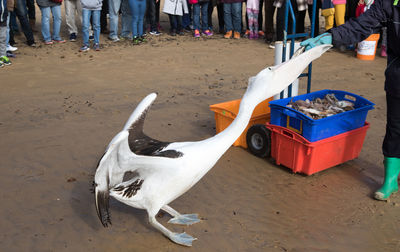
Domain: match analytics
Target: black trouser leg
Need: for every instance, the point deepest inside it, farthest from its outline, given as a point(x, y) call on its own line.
point(391, 142)
point(151, 14)
point(220, 10)
point(103, 17)
point(269, 10)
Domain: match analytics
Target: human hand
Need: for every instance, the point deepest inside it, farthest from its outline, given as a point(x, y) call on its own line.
point(325, 38)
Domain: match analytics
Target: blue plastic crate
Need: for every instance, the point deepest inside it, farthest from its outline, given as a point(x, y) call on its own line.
point(314, 130)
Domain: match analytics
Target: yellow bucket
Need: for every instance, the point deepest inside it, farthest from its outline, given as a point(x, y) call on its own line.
point(366, 49)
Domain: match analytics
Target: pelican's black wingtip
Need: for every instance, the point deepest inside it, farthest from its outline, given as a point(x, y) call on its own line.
point(102, 207)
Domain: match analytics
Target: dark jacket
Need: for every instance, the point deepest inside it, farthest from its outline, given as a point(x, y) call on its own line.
point(3, 11)
point(382, 13)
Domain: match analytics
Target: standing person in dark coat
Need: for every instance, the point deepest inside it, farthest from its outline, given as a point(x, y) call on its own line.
point(382, 13)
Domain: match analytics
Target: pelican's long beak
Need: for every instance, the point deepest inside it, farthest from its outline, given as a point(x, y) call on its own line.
point(102, 206)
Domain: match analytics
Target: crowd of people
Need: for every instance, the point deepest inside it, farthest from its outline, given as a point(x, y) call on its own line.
point(142, 17)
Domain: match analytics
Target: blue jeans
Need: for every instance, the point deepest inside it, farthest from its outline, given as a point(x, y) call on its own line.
point(126, 20)
point(56, 11)
point(138, 8)
point(233, 16)
point(204, 16)
point(86, 14)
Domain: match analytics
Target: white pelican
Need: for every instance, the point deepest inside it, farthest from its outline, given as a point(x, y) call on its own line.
point(164, 171)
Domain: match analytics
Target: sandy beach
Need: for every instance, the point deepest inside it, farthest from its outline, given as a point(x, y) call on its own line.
point(60, 108)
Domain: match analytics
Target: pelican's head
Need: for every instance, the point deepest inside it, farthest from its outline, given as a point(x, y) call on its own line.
point(272, 80)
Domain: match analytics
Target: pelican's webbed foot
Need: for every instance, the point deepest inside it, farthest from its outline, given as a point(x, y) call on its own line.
point(182, 238)
point(185, 219)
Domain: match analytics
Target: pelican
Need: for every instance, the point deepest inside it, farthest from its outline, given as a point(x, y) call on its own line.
point(162, 171)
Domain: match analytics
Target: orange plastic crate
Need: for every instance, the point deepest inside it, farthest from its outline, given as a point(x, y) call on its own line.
point(300, 155)
point(226, 112)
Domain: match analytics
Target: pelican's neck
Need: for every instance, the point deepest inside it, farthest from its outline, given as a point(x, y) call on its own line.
point(222, 141)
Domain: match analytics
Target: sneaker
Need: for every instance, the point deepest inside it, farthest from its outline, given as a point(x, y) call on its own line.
point(135, 40)
point(1, 64)
point(11, 48)
point(173, 33)
point(10, 55)
point(72, 37)
point(196, 34)
point(155, 33)
point(236, 35)
point(181, 33)
point(5, 60)
point(142, 39)
point(207, 33)
point(61, 41)
point(272, 45)
point(228, 35)
point(48, 42)
point(115, 39)
point(247, 34)
point(96, 47)
point(32, 44)
point(251, 35)
point(91, 38)
point(261, 33)
point(84, 48)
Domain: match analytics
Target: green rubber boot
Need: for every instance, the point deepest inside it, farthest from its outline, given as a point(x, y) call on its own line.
point(390, 185)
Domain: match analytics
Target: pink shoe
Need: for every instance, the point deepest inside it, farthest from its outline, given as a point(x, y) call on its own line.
point(196, 33)
point(383, 51)
point(207, 33)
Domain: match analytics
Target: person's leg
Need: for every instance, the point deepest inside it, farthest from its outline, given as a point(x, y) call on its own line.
point(179, 26)
point(340, 12)
point(209, 15)
point(56, 11)
point(133, 4)
point(103, 17)
point(8, 30)
point(45, 27)
point(220, 12)
point(255, 23)
point(172, 23)
point(260, 16)
point(96, 25)
point(196, 16)
point(300, 17)
point(151, 14)
point(3, 37)
point(20, 11)
point(391, 147)
point(329, 21)
point(269, 10)
point(126, 19)
point(186, 17)
point(204, 16)
point(250, 22)
point(142, 11)
point(228, 17)
point(85, 26)
point(113, 8)
point(237, 17)
point(69, 6)
point(30, 4)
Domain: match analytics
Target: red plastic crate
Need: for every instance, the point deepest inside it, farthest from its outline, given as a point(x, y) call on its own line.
point(300, 155)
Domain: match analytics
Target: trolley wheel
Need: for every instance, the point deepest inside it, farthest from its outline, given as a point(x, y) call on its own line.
point(258, 139)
